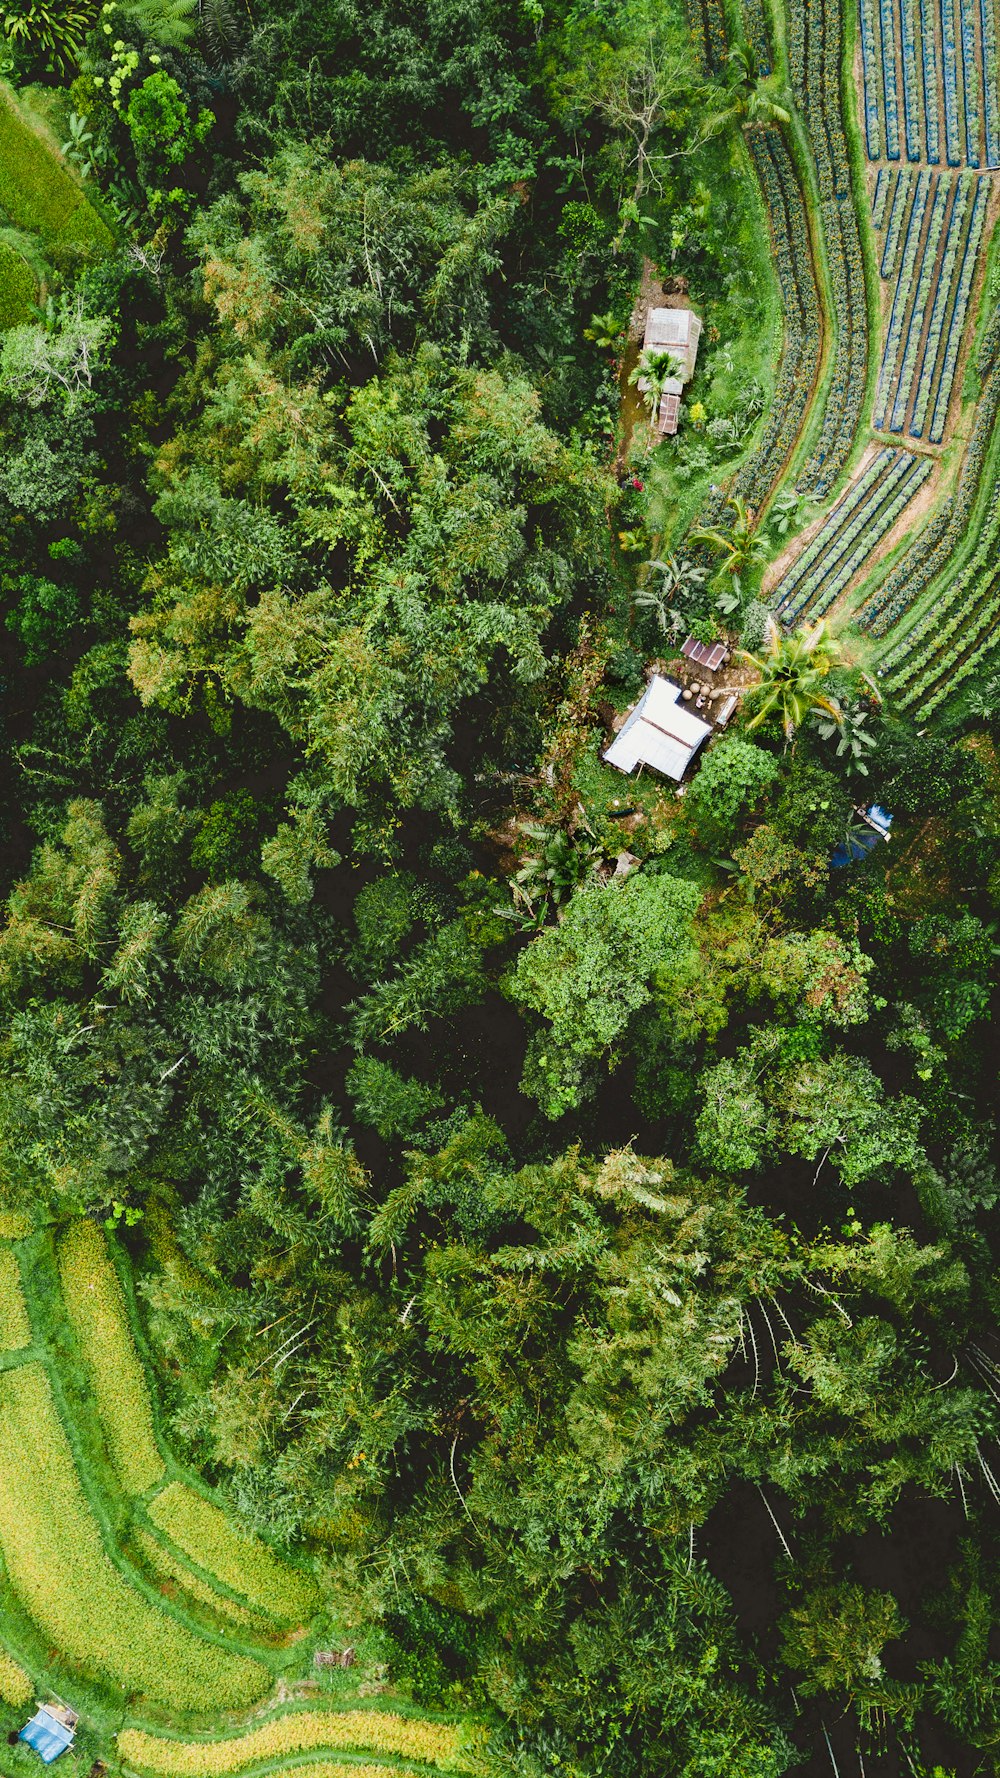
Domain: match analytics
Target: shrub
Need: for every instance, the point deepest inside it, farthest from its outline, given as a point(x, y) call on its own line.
point(299, 1731)
point(201, 1529)
point(60, 1572)
point(96, 1307)
point(733, 776)
point(15, 1328)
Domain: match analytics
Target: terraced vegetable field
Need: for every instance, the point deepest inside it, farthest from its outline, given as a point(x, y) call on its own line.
point(930, 81)
point(122, 1578)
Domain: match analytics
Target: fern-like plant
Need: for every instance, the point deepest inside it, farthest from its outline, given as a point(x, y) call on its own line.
point(170, 23)
point(52, 32)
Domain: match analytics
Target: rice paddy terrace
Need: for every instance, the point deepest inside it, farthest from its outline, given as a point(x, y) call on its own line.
point(883, 195)
point(127, 1589)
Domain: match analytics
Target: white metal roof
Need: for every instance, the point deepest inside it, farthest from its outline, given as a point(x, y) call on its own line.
point(659, 733)
point(668, 327)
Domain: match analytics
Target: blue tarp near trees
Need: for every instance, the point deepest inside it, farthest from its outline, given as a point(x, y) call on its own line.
point(47, 1735)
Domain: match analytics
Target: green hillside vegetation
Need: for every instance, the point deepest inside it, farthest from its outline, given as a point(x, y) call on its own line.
point(18, 286)
point(38, 191)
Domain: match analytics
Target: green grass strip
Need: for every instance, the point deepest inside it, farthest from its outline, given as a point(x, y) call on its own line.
point(15, 1328)
point(94, 1303)
point(37, 190)
point(298, 1731)
point(18, 287)
point(241, 1561)
point(62, 1575)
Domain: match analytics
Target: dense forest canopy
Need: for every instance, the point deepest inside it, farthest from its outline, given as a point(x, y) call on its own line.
point(558, 1212)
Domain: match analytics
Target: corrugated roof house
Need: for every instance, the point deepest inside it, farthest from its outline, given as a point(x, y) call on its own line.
point(658, 733)
point(677, 331)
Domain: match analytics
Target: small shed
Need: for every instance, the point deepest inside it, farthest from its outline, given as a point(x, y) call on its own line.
point(670, 407)
point(51, 1730)
point(658, 733)
point(676, 331)
point(710, 655)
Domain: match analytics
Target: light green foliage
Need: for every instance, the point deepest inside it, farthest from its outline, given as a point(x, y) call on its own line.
point(392, 1105)
point(589, 974)
point(58, 1567)
point(15, 1686)
point(732, 777)
point(42, 364)
point(300, 1731)
point(241, 1561)
point(836, 1637)
point(18, 286)
point(93, 1298)
point(170, 23)
point(38, 193)
point(15, 1328)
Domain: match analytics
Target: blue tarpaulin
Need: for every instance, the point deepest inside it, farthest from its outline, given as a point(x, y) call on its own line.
point(47, 1735)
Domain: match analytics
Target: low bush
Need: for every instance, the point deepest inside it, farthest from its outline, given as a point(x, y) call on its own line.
point(235, 1557)
point(15, 1328)
point(300, 1731)
point(59, 1570)
point(95, 1305)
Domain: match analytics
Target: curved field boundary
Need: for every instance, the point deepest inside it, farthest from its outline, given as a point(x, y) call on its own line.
point(94, 1303)
point(802, 348)
point(38, 192)
point(296, 1732)
point(60, 1570)
point(176, 1575)
point(202, 1531)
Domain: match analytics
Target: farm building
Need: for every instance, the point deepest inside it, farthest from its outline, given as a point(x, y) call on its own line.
point(658, 733)
point(50, 1731)
point(677, 331)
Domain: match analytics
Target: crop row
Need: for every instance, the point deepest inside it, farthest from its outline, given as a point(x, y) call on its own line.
point(203, 1532)
point(850, 545)
point(60, 1571)
point(901, 298)
point(959, 312)
point(757, 34)
point(298, 1731)
point(958, 88)
point(15, 1686)
point(850, 364)
point(94, 1303)
point(15, 1328)
point(906, 365)
point(991, 74)
point(939, 621)
point(876, 472)
point(797, 278)
point(904, 182)
point(708, 24)
point(880, 197)
point(962, 667)
point(969, 632)
point(943, 308)
point(931, 552)
point(815, 45)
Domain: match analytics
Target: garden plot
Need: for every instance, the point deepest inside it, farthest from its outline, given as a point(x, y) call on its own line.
point(930, 81)
point(845, 542)
point(932, 232)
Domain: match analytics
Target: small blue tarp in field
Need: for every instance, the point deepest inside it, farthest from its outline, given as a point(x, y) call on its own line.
point(47, 1735)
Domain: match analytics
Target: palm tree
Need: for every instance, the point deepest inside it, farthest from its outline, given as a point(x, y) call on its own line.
point(654, 369)
point(792, 677)
point(680, 579)
point(741, 546)
point(749, 97)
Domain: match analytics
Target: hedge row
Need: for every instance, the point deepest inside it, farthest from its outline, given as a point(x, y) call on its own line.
point(298, 1731)
point(204, 1533)
point(15, 1686)
point(57, 1565)
point(93, 1298)
point(15, 1328)
point(708, 25)
point(802, 343)
point(872, 78)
